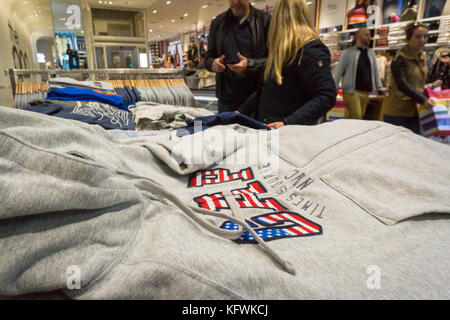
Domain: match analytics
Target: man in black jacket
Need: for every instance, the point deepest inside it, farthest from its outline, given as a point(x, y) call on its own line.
point(237, 52)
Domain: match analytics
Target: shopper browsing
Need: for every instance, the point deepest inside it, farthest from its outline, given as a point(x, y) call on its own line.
point(359, 73)
point(298, 85)
point(237, 52)
point(409, 73)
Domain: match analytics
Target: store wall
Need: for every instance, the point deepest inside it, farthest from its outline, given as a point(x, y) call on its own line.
point(19, 37)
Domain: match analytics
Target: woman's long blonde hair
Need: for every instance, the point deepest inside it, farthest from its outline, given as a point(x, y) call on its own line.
point(291, 28)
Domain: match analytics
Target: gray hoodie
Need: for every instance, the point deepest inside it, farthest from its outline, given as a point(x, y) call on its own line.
point(343, 210)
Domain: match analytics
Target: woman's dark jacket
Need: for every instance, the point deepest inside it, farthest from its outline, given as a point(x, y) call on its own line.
point(308, 91)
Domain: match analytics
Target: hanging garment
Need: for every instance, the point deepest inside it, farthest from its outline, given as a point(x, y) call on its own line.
point(334, 211)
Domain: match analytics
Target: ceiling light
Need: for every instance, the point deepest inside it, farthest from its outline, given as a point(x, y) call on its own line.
point(155, 11)
point(185, 14)
point(173, 20)
point(168, 2)
point(205, 6)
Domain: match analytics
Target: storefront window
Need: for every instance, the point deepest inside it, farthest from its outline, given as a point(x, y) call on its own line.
point(69, 34)
point(116, 23)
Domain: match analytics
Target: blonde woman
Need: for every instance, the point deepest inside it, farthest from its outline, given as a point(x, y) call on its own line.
point(298, 85)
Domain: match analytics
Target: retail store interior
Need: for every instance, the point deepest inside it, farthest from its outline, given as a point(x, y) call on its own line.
point(95, 81)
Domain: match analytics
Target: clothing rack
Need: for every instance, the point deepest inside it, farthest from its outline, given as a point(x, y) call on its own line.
point(28, 75)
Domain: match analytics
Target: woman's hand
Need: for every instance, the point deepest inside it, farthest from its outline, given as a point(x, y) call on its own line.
point(436, 84)
point(276, 125)
point(428, 104)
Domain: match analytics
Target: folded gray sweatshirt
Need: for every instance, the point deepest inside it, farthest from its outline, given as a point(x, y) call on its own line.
point(344, 210)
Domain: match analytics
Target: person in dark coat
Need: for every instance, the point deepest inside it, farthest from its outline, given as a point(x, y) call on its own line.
point(237, 52)
point(298, 85)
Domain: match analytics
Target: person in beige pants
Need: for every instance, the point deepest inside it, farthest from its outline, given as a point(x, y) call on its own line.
point(359, 73)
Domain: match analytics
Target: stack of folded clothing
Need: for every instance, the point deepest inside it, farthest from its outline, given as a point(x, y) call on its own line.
point(444, 31)
point(397, 36)
point(382, 43)
point(383, 31)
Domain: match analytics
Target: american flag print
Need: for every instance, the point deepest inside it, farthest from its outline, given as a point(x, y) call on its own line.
point(207, 177)
point(246, 198)
point(278, 225)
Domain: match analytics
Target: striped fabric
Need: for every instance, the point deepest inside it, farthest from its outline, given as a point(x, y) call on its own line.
point(338, 111)
point(357, 16)
point(436, 121)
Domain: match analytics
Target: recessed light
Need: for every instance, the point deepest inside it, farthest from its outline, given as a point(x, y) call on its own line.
point(185, 14)
point(168, 2)
point(155, 11)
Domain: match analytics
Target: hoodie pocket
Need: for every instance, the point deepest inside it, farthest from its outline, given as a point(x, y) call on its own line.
point(324, 142)
point(406, 178)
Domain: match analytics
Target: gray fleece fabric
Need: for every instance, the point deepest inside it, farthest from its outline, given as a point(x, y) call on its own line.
point(344, 210)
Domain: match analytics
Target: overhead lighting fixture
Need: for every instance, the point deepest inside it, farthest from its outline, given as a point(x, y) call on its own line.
point(168, 2)
point(155, 11)
point(205, 6)
point(185, 14)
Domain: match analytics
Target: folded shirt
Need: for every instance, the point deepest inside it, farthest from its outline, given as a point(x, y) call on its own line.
point(89, 112)
point(154, 116)
point(77, 94)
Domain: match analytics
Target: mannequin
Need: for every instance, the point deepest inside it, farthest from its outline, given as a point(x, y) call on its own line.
point(410, 13)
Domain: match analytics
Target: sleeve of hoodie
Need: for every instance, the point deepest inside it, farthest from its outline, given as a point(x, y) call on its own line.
point(316, 78)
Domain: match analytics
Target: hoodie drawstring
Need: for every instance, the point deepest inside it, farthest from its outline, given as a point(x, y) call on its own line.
point(237, 217)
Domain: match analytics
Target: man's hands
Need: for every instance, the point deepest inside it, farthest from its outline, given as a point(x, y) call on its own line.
point(218, 65)
point(240, 67)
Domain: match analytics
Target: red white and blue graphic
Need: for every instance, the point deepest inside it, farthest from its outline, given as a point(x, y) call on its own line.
point(202, 178)
point(246, 198)
point(269, 226)
point(275, 226)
